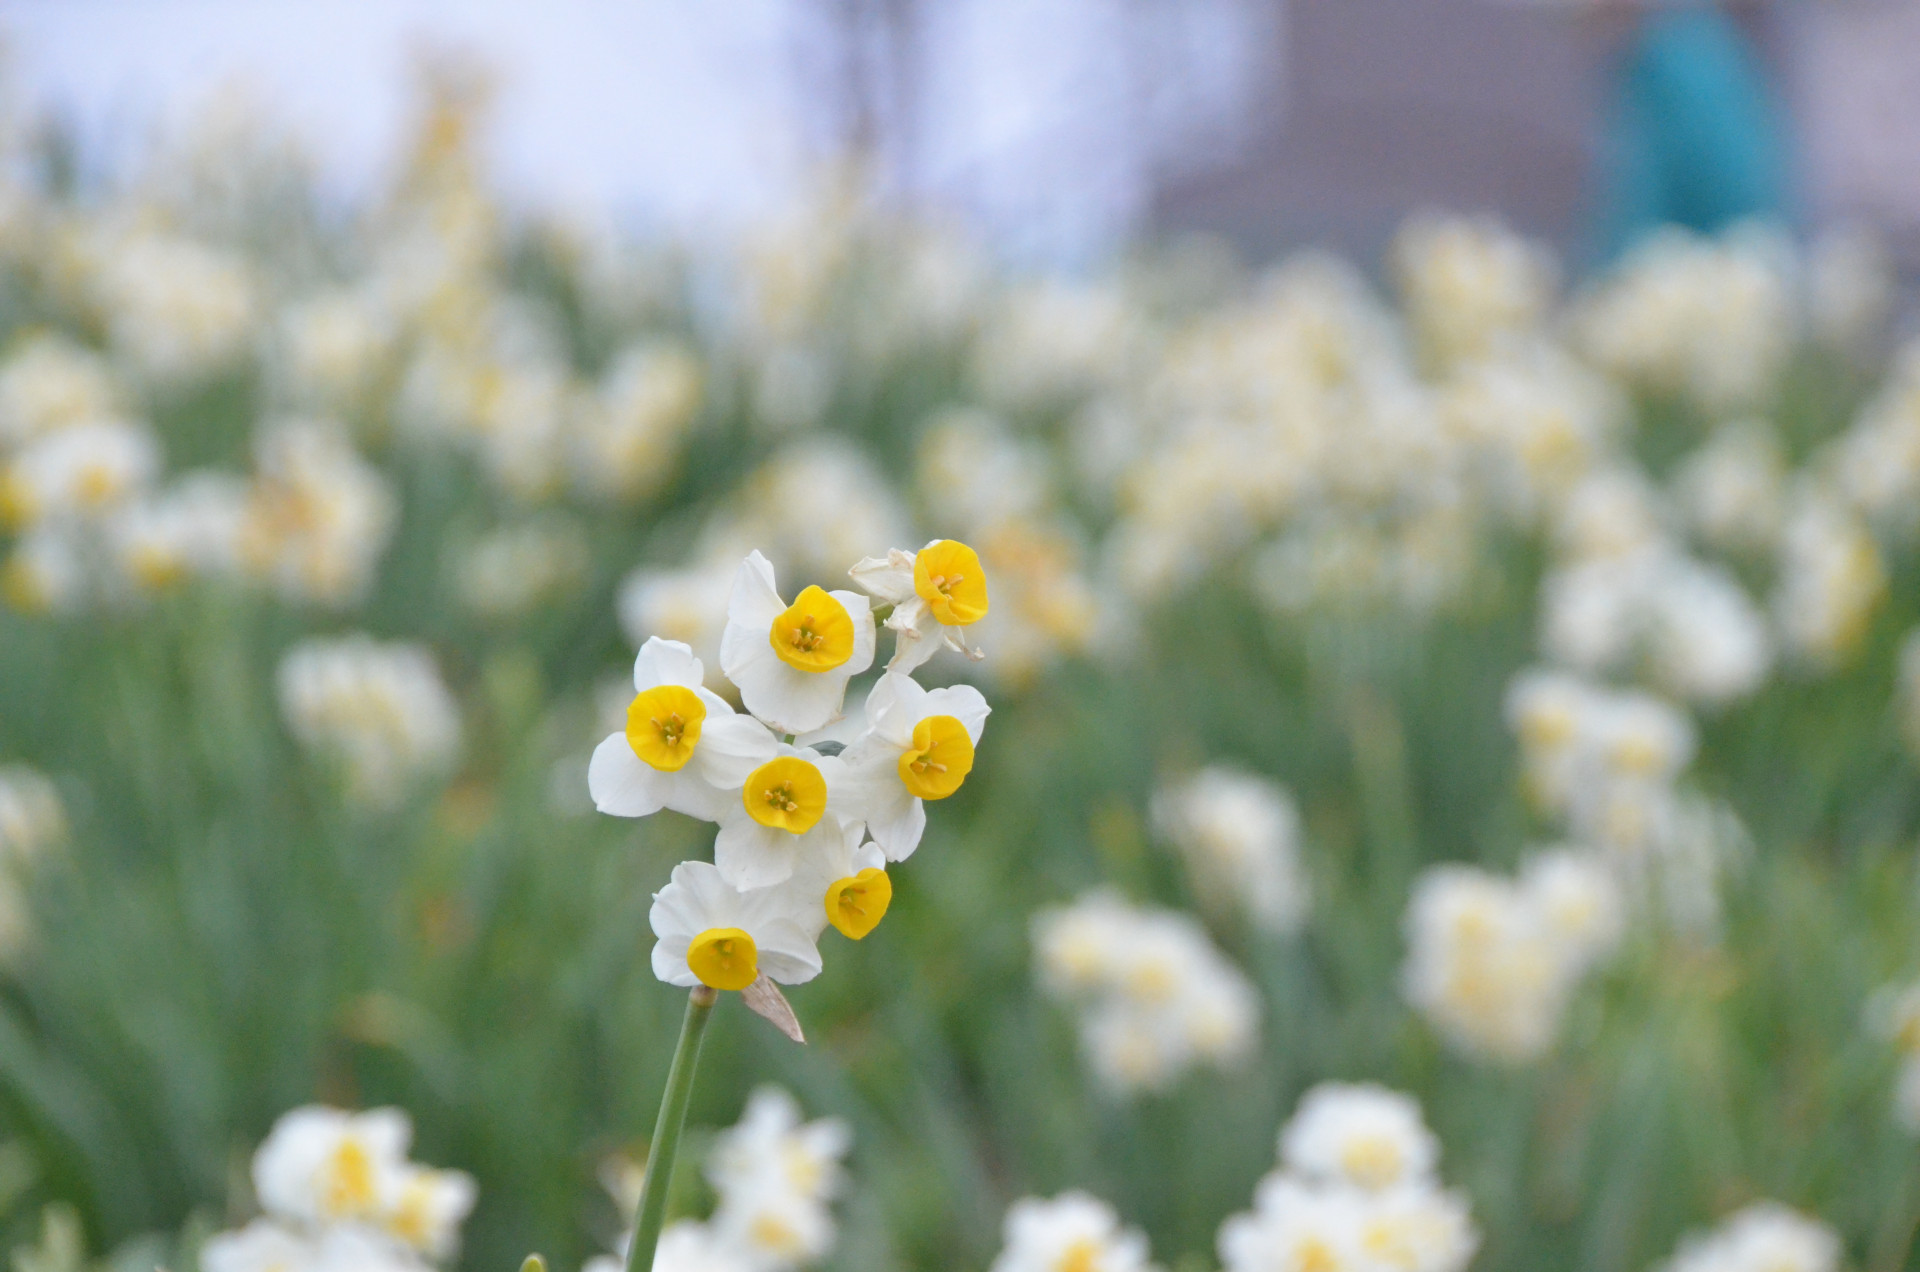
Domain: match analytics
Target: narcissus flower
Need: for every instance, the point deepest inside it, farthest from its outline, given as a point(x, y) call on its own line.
point(792, 662)
point(323, 1166)
point(936, 592)
point(1073, 1232)
point(840, 881)
point(783, 811)
point(711, 933)
point(918, 746)
point(684, 747)
point(1362, 1134)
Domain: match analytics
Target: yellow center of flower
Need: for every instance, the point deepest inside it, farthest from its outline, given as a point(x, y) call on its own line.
point(772, 1233)
point(939, 759)
point(1080, 1256)
point(349, 1189)
point(1315, 1255)
point(815, 633)
point(948, 577)
point(1372, 1161)
point(787, 794)
point(412, 1217)
point(724, 958)
point(663, 726)
point(156, 569)
point(856, 904)
point(97, 485)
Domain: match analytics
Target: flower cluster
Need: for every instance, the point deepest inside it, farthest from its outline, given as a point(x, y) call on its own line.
point(1073, 1232)
point(804, 836)
point(1764, 1237)
point(1492, 962)
point(776, 1178)
point(1239, 835)
point(1156, 998)
point(1606, 763)
point(341, 1196)
point(378, 710)
point(1356, 1191)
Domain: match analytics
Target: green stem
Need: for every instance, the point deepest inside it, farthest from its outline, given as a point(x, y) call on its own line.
point(666, 1131)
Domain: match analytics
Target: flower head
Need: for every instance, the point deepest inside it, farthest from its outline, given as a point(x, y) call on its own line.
point(711, 933)
point(792, 662)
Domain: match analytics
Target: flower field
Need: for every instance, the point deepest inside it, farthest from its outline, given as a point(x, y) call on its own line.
point(1385, 766)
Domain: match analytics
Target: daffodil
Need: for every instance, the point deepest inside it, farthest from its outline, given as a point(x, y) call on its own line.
point(918, 746)
point(782, 812)
point(936, 592)
point(792, 662)
point(684, 747)
point(325, 1166)
point(710, 933)
point(840, 880)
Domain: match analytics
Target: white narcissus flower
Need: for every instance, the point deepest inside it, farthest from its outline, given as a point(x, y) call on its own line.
point(428, 1207)
point(783, 812)
point(711, 933)
point(936, 592)
point(323, 1166)
point(792, 662)
point(83, 471)
point(261, 1246)
point(837, 879)
point(918, 746)
point(1072, 1231)
point(1295, 1226)
point(770, 1139)
point(684, 747)
point(1362, 1134)
point(1766, 1235)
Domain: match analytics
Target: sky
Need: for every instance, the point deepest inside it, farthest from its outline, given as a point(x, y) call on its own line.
point(1044, 122)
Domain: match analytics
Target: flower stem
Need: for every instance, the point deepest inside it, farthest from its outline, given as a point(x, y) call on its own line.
point(666, 1131)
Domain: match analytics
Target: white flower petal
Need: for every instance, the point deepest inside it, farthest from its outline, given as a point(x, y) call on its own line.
point(620, 783)
point(750, 855)
point(665, 662)
point(963, 702)
point(889, 578)
point(731, 746)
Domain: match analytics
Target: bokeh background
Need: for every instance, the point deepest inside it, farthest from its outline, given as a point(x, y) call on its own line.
point(1490, 425)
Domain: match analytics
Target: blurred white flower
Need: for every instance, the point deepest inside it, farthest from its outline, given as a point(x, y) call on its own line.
point(1073, 1232)
point(83, 471)
point(1239, 835)
point(1470, 285)
point(1831, 581)
point(1732, 490)
point(626, 433)
point(1156, 998)
point(378, 709)
point(1764, 1237)
point(320, 516)
point(1356, 1191)
point(48, 383)
point(1360, 1134)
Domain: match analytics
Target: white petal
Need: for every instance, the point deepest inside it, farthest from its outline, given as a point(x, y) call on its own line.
point(860, 609)
point(890, 577)
point(749, 855)
point(755, 601)
point(785, 953)
point(688, 792)
point(896, 823)
point(963, 702)
point(665, 662)
point(790, 700)
point(620, 783)
point(731, 746)
point(894, 707)
point(670, 962)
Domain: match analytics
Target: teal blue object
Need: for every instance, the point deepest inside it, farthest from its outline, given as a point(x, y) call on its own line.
point(1696, 137)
